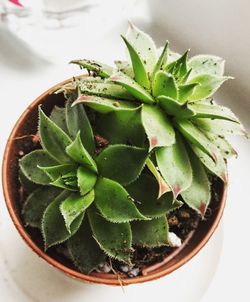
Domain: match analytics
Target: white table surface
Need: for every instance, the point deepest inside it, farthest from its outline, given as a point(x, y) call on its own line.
point(219, 271)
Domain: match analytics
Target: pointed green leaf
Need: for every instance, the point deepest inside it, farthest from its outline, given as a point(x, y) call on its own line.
point(157, 127)
point(106, 90)
point(206, 64)
point(98, 68)
point(125, 67)
point(36, 203)
point(174, 166)
point(198, 195)
point(164, 84)
point(121, 163)
point(104, 105)
point(220, 127)
point(77, 120)
point(128, 127)
point(185, 91)
point(139, 67)
point(145, 193)
point(151, 233)
point(222, 144)
point(65, 184)
point(54, 230)
point(163, 186)
point(178, 67)
point(27, 185)
point(196, 137)
point(84, 250)
point(74, 205)
point(218, 168)
point(114, 202)
point(213, 111)
point(134, 88)
point(59, 118)
point(55, 172)
point(79, 154)
point(208, 86)
point(54, 140)
point(115, 239)
point(86, 180)
point(29, 166)
point(144, 46)
point(162, 60)
point(173, 107)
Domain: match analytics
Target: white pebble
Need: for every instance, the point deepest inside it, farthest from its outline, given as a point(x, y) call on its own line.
point(134, 272)
point(174, 240)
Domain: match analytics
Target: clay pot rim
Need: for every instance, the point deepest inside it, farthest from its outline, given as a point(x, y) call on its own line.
point(100, 278)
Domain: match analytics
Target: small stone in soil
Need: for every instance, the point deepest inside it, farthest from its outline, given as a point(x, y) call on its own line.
point(174, 240)
point(103, 268)
point(134, 272)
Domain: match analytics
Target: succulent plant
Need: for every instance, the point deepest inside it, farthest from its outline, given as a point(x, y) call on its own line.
point(131, 145)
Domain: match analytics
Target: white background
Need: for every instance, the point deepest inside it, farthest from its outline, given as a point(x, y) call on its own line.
point(221, 269)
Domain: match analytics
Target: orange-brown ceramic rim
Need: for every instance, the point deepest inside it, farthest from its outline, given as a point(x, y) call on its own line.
point(151, 273)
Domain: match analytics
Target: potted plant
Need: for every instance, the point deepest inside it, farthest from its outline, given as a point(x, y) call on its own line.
point(127, 167)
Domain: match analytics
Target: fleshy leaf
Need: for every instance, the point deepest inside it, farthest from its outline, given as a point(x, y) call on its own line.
point(86, 180)
point(145, 192)
point(84, 250)
point(65, 184)
point(53, 225)
point(98, 68)
point(114, 202)
point(125, 67)
point(29, 166)
point(134, 88)
point(36, 203)
point(104, 105)
point(55, 172)
point(121, 163)
point(179, 67)
point(54, 140)
point(218, 168)
point(77, 120)
point(144, 46)
point(164, 84)
point(28, 186)
point(58, 117)
point(208, 85)
point(175, 166)
point(220, 127)
point(222, 144)
point(106, 90)
point(196, 137)
point(206, 64)
point(213, 111)
point(157, 127)
point(115, 239)
point(128, 127)
point(161, 61)
point(197, 196)
point(79, 154)
point(151, 233)
point(163, 186)
point(173, 107)
point(139, 67)
point(185, 91)
point(74, 205)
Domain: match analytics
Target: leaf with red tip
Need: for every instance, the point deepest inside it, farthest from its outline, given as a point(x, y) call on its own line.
point(144, 192)
point(198, 195)
point(175, 166)
point(163, 186)
point(218, 168)
point(157, 127)
point(198, 138)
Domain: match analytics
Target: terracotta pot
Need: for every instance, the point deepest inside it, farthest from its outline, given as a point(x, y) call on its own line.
point(20, 138)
